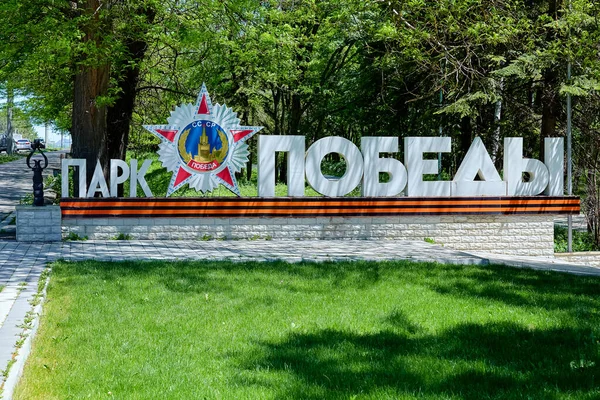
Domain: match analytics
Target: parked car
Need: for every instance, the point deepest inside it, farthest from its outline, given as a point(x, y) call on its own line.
point(39, 143)
point(23, 145)
point(4, 143)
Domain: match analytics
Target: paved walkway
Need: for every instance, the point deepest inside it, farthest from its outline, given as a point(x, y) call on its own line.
point(21, 265)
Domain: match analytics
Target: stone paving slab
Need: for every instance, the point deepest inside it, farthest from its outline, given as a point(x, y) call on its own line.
point(541, 263)
point(21, 264)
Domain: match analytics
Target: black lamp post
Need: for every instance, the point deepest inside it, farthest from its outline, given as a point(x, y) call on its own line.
point(38, 180)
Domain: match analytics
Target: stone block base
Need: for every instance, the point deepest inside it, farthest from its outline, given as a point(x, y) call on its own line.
point(38, 224)
point(531, 235)
point(591, 258)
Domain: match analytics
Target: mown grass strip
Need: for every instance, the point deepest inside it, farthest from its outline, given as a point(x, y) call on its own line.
point(4, 158)
point(365, 330)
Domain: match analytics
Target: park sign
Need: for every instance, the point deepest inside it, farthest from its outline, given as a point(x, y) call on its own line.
point(204, 146)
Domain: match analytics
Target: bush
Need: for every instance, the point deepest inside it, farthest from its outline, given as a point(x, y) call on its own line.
point(582, 241)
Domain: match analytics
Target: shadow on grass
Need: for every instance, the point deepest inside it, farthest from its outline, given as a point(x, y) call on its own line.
point(524, 288)
point(500, 360)
point(398, 357)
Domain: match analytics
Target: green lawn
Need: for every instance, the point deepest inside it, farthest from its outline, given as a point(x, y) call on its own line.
point(4, 158)
point(218, 330)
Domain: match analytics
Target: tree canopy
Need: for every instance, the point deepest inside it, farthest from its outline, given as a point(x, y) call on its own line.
point(462, 68)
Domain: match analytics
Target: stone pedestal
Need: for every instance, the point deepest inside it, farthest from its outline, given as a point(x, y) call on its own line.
point(38, 224)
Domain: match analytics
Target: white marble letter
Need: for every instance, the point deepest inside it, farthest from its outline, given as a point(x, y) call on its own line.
point(267, 148)
point(414, 147)
point(477, 162)
point(98, 183)
point(139, 177)
point(115, 178)
point(554, 158)
point(373, 165)
point(514, 167)
point(64, 182)
point(354, 166)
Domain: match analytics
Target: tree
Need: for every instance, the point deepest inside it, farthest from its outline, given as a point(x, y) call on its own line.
point(79, 58)
point(13, 119)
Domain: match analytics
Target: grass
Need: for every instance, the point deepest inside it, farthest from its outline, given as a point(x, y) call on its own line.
point(72, 236)
point(363, 330)
point(4, 158)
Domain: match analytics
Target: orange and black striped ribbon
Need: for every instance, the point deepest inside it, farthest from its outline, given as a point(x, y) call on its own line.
point(313, 207)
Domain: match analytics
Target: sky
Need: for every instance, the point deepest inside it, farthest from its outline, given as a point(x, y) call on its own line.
point(52, 136)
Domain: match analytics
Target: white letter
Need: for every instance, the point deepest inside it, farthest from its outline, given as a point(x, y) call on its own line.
point(115, 178)
point(267, 147)
point(477, 161)
point(373, 165)
point(555, 162)
point(515, 165)
point(73, 162)
point(354, 166)
point(414, 147)
point(139, 177)
point(98, 183)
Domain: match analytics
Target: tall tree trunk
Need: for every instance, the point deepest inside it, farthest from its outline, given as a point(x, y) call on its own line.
point(89, 118)
point(10, 99)
point(496, 134)
point(550, 108)
point(283, 168)
point(280, 160)
point(118, 115)
point(550, 100)
point(295, 114)
point(88, 121)
point(466, 136)
point(293, 129)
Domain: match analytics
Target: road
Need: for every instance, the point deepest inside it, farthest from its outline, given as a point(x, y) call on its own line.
point(16, 180)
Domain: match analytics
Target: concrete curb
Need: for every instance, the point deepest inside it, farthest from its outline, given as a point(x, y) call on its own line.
point(22, 354)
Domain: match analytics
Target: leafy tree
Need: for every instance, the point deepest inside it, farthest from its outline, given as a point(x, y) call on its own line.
point(79, 58)
point(20, 122)
point(101, 68)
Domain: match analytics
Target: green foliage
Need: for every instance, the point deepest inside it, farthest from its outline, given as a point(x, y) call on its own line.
point(53, 184)
point(27, 199)
point(4, 158)
point(333, 168)
point(459, 68)
point(72, 236)
point(123, 236)
point(20, 122)
point(582, 241)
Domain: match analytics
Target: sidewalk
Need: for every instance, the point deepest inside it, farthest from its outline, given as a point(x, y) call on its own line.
point(21, 265)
